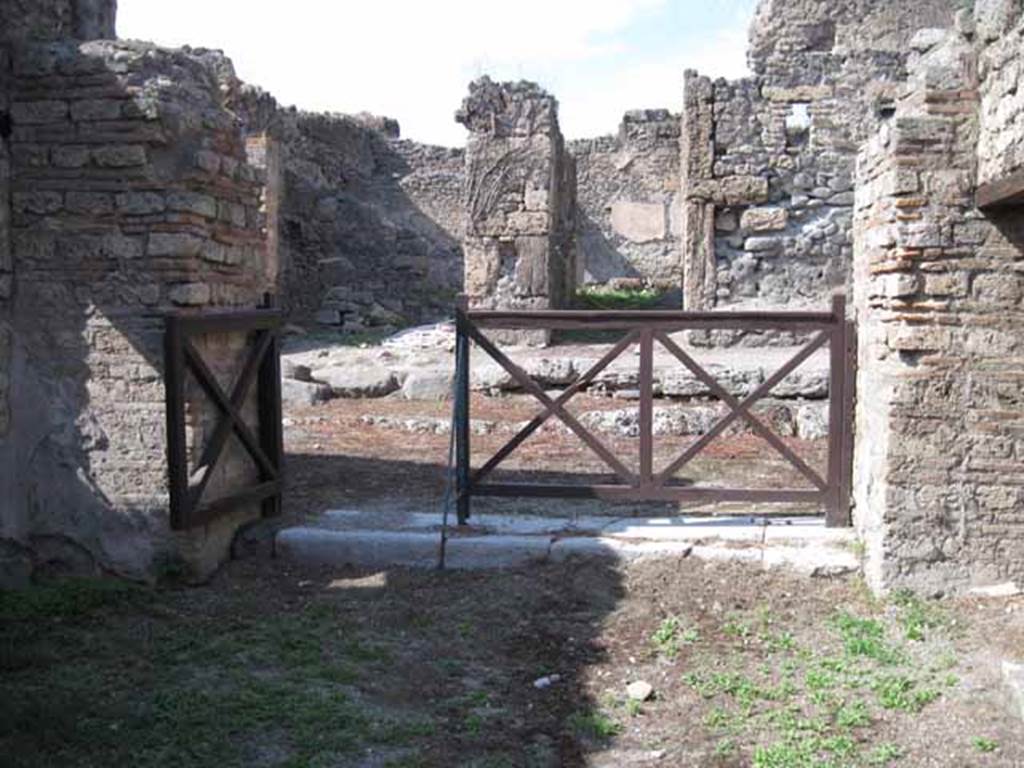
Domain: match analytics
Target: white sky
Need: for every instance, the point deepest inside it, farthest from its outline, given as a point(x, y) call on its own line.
point(412, 60)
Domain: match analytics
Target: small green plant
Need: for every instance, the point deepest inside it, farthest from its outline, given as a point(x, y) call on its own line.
point(885, 754)
point(725, 748)
point(916, 616)
point(865, 637)
point(670, 635)
point(900, 692)
point(634, 708)
point(984, 745)
point(595, 725)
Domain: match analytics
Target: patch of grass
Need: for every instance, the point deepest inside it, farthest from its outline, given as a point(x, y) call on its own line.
point(900, 692)
point(670, 635)
point(865, 637)
point(916, 616)
point(885, 754)
point(68, 599)
point(595, 725)
point(984, 745)
point(598, 297)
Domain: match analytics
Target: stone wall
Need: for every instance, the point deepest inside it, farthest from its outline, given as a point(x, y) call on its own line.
point(49, 20)
point(519, 199)
point(369, 224)
point(939, 292)
point(1000, 32)
point(130, 196)
point(628, 222)
point(768, 160)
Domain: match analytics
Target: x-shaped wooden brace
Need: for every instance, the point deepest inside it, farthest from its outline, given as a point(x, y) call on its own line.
point(740, 409)
point(231, 418)
point(552, 407)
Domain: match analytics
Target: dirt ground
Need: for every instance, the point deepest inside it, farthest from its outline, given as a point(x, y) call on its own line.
point(273, 665)
point(335, 459)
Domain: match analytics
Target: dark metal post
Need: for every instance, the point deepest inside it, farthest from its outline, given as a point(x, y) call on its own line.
point(646, 408)
point(849, 416)
point(461, 405)
point(270, 414)
point(835, 515)
point(177, 452)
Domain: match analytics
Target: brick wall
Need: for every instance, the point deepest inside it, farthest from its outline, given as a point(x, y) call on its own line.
point(939, 292)
point(130, 196)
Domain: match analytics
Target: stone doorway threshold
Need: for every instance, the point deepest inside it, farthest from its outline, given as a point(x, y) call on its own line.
point(399, 539)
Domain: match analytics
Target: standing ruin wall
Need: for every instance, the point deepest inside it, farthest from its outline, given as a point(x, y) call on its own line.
point(628, 222)
point(519, 199)
point(940, 305)
point(768, 161)
point(129, 196)
point(369, 225)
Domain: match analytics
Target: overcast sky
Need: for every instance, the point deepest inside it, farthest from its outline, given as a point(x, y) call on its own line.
point(412, 59)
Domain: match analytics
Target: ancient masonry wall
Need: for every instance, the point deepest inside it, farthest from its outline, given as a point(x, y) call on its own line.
point(768, 160)
point(628, 222)
point(939, 289)
point(369, 225)
point(519, 199)
point(130, 196)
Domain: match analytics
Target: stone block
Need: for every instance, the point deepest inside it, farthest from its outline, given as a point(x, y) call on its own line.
point(190, 294)
point(96, 109)
point(89, 203)
point(175, 244)
point(764, 219)
point(762, 245)
point(70, 156)
point(140, 203)
point(639, 222)
point(39, 112)
point(302, 393)
point(193, 202)
point(355, 382)
point(119, 156)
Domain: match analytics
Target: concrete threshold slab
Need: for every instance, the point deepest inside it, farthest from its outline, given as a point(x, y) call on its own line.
point(402, 539)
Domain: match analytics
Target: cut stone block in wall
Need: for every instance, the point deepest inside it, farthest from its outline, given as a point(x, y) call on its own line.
point(130, 195)
point(939, 296)
point(519, 199)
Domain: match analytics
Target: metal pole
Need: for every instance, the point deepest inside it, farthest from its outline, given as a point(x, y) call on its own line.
point(835, 516)
point(461, 405)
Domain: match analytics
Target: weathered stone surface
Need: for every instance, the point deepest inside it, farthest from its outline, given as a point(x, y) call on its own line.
point(938, 295)
point(427, 385)
point(764, 219)
point(302, 393)
point(86, 168)
point(629, 216)
point(362, 381)
point(639, 222)
point(515, 255)
point(777, 151)
point(1013, 681)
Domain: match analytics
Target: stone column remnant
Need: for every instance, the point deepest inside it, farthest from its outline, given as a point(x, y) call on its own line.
point(519, 197)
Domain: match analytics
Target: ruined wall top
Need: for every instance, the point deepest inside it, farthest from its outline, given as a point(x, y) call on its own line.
point(508, 109)
point(785, 35)
point(49, 20)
